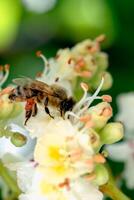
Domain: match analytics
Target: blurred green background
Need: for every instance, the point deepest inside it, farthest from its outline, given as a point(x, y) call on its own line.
point(29, 25)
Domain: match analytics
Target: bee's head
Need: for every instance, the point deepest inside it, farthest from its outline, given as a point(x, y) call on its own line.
point(67, 105)
point(12, 96)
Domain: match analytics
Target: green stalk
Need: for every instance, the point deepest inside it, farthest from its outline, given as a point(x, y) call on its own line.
point(111, 190)
point(8, 179)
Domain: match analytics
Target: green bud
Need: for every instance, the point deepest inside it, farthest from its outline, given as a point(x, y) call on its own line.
point(101, 175)
point(107, 83)
point(111, 133)
point(108, 80)
point(100, 114)
point(18, 139)
point(102, 61)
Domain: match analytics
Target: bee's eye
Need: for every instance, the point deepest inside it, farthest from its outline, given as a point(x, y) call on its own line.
point(12, 96)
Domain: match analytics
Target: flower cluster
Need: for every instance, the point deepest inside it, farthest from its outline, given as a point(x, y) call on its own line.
point(84, 61)
point(66, 162)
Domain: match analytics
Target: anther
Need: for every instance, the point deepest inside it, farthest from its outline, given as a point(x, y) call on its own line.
point(1, 68)
point(90, 177)
point(38, 53)
point(66, 184)
point(84, 86)
point(85, 118)
point(85, 74)
point(107, 98)
point(39, 74)
point(7, 67)
point(100, 38)
point(99, 158)
point(106, 111)
point(69, 61)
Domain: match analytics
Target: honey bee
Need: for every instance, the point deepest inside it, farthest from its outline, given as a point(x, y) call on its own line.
point(34, 91)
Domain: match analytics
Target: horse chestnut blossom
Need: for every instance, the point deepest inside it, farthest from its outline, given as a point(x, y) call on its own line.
point(67, 163)
point(84, 61)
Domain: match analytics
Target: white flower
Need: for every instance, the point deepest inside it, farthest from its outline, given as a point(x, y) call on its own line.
point(34, 186)
point(125, 104)
point(63, 152)
point(6, 147)
point(124, 152)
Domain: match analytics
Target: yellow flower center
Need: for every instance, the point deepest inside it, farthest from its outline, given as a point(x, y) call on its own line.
point(47, 188)
point(55, 154)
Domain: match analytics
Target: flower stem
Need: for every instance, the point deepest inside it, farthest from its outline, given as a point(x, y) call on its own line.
point(111, 190)
point(8, 179)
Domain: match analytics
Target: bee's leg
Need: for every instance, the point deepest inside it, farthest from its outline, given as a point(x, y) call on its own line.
point(27, 115)
point(46, 108)
point(35, 110)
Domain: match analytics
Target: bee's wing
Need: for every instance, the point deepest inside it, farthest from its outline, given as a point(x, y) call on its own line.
point(22, 81)
point(35, 85)
point(43, 87)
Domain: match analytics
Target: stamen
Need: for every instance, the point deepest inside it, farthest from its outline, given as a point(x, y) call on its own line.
point(80, 63)
point(76, 154)
point(70, 60)
point(39, 74)
point(89, 124)
point(106, 112)
point(66, 184)
point(46, 63)
point(71, 114)
point(89, 162)
point(85, 118)
point(84, 86)
point(6, 67)
point(1, 68)
point(100, 38)
point(85, 74)
point(107, 98)
point(99, 158)
point(89, 100)
point(94, 48)
point(90, 177)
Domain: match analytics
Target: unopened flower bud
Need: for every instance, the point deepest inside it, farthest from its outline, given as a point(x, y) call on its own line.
point(102, 61)
point(107, 83)
point(101, 175)
point(111, 133)
point(100, 114)
point(18, 139)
